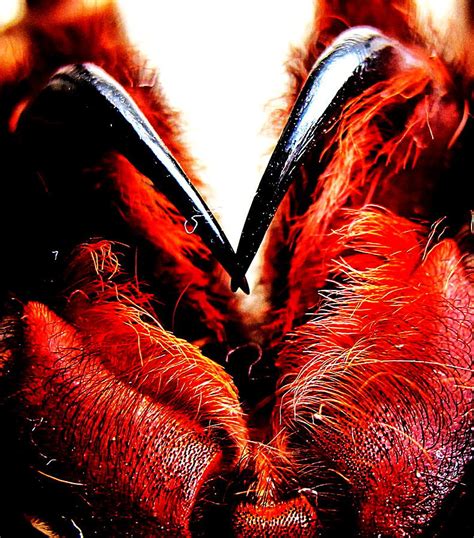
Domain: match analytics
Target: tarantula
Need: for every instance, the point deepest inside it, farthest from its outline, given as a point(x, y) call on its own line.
point(137, 398)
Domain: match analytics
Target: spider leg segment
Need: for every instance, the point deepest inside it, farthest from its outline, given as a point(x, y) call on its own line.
point(376, 388)
point(120, 410)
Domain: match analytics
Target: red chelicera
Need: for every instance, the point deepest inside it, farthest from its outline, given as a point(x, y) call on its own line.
point(121, 417)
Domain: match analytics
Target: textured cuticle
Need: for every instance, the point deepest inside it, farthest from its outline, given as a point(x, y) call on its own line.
point(116, 440)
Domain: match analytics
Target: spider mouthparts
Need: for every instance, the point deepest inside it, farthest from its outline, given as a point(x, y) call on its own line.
point(359, 58)
point(240, 281)
point(82, 110)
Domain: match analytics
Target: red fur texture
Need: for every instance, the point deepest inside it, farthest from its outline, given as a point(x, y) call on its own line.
point(126, 446)
point(375, 161)
point(116, 393)
point(376, 388)
point(145, 416)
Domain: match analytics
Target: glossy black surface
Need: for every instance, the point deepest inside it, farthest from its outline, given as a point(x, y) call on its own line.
point(82, 108)
point(357, 59)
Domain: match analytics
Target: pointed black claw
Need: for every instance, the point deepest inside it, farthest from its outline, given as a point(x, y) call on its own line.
point(83, 106)
point(358, 58)
point(240, 282)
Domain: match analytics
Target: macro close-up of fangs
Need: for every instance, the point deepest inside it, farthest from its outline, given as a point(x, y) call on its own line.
point(312, 376)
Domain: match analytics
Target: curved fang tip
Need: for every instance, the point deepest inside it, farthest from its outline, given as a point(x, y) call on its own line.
point(359, 58)
point(83, 103)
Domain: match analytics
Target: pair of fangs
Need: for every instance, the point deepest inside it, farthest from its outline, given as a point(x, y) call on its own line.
point(82, 98)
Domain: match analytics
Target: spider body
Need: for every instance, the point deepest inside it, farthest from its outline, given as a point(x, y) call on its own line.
point(137, 398)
